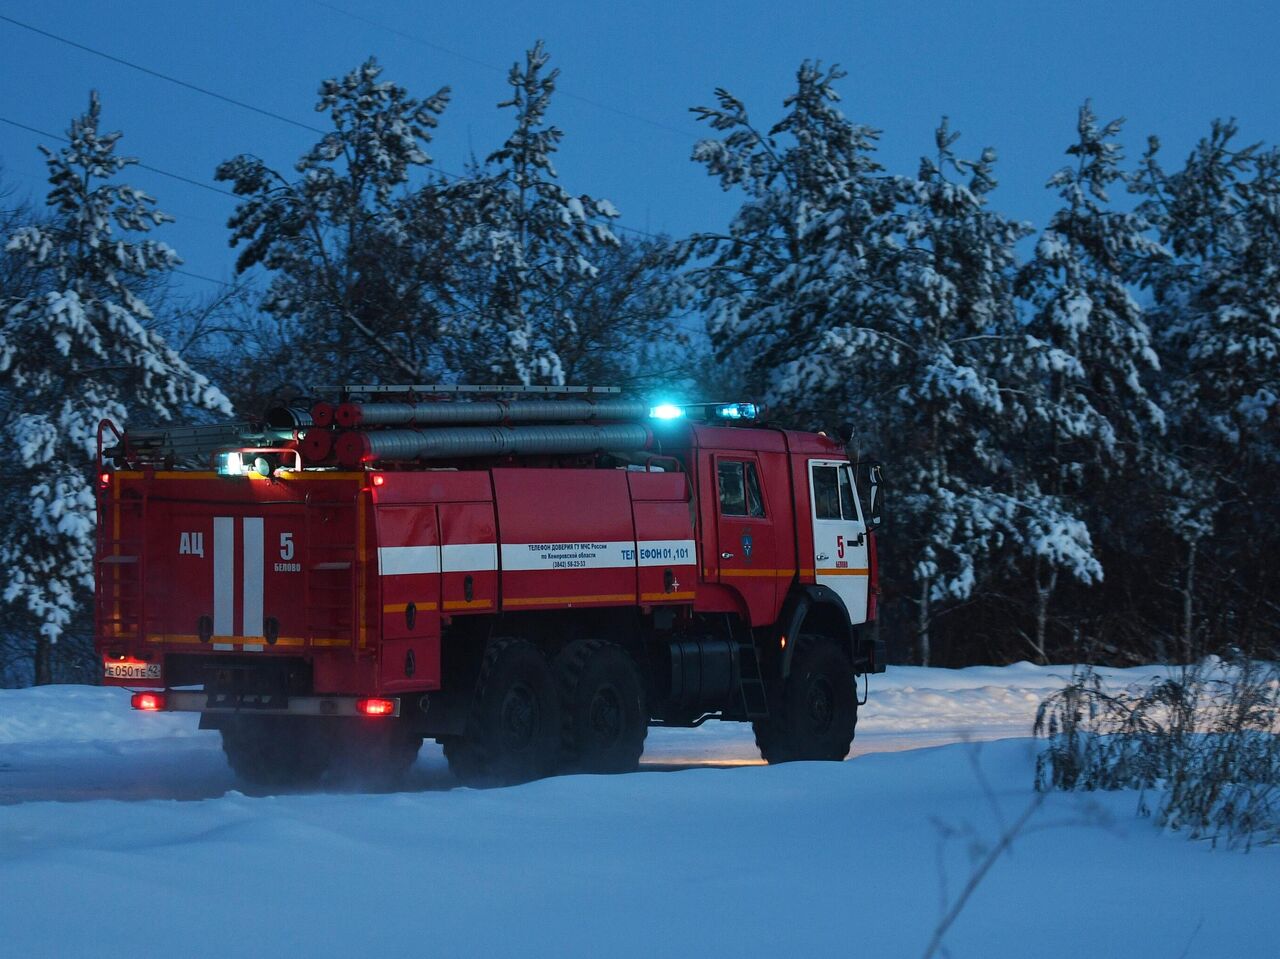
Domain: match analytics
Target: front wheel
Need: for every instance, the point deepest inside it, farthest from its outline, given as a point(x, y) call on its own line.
point(818, 709)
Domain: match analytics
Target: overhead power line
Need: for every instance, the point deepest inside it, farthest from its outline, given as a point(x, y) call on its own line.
point(144, 166)
point(207, 279)
point(221, 192)
point(431, 45)
point(137, 163)
point(162, 76)
point(243, 105)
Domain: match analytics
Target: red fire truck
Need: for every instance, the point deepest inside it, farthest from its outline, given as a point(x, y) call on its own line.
point(532, 578)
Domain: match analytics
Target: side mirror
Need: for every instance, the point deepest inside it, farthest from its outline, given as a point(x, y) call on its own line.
point(871, 476)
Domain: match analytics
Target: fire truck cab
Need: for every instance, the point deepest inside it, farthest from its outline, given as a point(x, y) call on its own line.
point(530, 581)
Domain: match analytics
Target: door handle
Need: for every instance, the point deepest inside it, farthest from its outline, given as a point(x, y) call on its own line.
point(823, 557)
point(726, 556)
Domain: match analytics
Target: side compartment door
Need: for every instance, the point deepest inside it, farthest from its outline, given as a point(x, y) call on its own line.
point(409, 572)
point(468, 558)
point(839, 535)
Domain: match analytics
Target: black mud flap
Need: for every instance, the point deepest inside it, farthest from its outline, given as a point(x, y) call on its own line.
point(869, 656)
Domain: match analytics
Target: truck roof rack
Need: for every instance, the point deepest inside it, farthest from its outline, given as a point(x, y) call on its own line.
point(189, 444)
point(453, 388)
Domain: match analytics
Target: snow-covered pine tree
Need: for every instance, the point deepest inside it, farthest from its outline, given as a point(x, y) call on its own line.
point(359, 261)
point(795, 288)
point(529, 245)
point(1217, 320)
point(17, 278)
point(1089, 332)
point(627, 329)
point(1090, 340)
point(959, 395)
point(74, 350)
point(888, 301)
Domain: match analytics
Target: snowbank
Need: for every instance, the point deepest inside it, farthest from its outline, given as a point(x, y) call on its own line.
point(903, 699)
point(861, 856)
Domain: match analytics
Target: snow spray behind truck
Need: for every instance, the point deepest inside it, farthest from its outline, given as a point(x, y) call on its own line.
point(532, 577)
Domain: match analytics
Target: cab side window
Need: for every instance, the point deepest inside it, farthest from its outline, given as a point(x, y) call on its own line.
point(848, 508)
point(826, 492)
point(739, 485)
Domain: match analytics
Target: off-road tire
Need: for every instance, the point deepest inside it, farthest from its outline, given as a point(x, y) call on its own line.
point(815, 711)
point(513, 730)
point(375, 752)
point(603, 717)
point(464, 759)
point(277, 751)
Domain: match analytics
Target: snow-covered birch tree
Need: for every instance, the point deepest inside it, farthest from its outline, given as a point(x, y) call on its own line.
point(78, 347)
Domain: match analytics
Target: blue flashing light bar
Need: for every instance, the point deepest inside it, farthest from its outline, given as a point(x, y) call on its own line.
point(666, 411)
point(707, 412)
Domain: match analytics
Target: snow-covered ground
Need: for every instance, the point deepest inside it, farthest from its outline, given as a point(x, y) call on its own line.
point(123, 834)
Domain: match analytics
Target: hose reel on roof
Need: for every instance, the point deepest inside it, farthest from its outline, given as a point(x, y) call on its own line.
point(357, 448)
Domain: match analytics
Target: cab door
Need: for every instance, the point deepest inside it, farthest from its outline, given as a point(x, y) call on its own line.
point(839, 535)
point(745, 534)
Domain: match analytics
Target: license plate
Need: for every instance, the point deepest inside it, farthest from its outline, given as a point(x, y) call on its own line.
point(131, 670)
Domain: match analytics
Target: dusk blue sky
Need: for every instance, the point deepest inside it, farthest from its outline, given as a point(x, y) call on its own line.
point(1009, 74)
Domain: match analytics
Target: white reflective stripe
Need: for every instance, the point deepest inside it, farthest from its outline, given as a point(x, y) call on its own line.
point(407, 560)
point(478, 557)
point(469, 557)
point(254, 558)
point(224, 573)
point(224, 647)
point(667, 552)
point(525, 556)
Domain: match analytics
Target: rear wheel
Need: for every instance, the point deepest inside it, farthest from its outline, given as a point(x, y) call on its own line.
point(815, 716)
point(465, 760)
point(375, 752)
point(279, 751)
point(602, 707)
point(513, 732)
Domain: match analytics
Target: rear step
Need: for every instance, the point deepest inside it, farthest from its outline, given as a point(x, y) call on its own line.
point(192, 701)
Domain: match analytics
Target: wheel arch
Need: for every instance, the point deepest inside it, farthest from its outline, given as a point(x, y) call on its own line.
point(813, 608)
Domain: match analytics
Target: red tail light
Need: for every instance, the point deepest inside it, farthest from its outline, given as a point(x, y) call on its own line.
point(148, 702)
point(104, 478)
point(378, 479)
point(376, 707)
